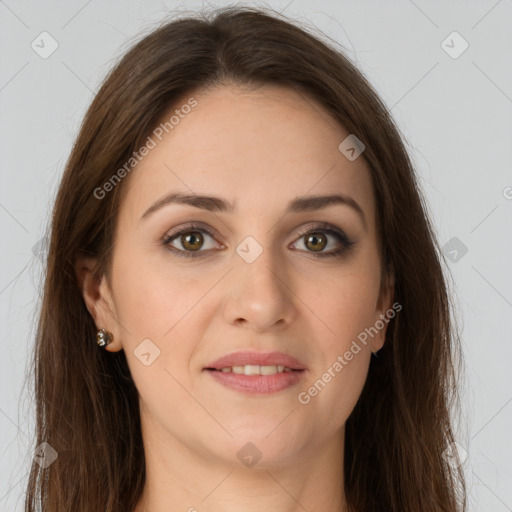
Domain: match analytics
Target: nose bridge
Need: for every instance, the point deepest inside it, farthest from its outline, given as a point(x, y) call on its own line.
point(260, 294)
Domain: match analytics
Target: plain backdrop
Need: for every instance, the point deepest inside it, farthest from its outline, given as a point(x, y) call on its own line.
point(443, 67)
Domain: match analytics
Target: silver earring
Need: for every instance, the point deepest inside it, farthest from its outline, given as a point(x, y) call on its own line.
point(103, 338)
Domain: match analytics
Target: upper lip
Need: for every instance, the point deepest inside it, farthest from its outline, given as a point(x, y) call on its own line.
point(243, 358)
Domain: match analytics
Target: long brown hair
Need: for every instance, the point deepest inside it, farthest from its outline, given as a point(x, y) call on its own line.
point(86, 401)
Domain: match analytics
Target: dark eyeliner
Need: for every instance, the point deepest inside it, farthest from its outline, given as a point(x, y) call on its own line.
point(340, 235)
point(186, 229)
point(323, 228)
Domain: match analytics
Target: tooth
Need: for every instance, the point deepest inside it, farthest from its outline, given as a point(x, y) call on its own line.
point(250, 369)
point(268, 370)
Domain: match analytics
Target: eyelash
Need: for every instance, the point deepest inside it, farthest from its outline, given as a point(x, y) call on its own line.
point(322, 228)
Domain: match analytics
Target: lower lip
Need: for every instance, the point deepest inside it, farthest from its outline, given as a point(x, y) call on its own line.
point(257, 384)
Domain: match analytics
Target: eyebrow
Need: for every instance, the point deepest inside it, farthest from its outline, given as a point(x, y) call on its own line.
point(217, 204)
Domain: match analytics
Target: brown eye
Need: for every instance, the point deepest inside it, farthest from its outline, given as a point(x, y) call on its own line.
point(316, 241)
point(192, 241)
point(321, 242)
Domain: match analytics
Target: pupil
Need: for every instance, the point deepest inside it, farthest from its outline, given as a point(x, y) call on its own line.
point(190, 244)
point(314, 239)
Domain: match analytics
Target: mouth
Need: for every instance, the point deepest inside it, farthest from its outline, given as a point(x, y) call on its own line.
point(257, 373)
point(254, 382)
point(251, 369)
point(256, 363)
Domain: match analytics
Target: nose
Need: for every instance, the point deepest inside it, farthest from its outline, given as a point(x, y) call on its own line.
point(260, 294)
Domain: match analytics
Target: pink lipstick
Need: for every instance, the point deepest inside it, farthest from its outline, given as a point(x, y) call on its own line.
point(257, 372)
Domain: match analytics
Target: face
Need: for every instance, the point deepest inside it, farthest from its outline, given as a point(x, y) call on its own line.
point(261, 278)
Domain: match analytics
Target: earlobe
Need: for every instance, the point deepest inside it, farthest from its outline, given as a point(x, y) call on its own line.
point(98, 299)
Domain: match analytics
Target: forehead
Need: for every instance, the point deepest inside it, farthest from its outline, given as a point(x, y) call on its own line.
point(257, 149)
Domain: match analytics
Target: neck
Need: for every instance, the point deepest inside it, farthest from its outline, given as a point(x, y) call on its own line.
point(188, 478)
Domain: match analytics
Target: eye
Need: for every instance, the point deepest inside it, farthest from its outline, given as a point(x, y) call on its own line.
point(317, 239)
point(189, 241)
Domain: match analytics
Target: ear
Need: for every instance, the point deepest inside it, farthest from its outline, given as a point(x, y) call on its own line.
point(98, 300)
point(384, 307)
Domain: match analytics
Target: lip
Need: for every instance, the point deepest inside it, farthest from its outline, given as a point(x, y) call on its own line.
point(243, 358)
point(257, 384)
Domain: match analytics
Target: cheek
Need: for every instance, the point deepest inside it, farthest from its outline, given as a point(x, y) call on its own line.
point(152, 297)
point(347, 308)
point(336, 381)
point(346, 302)
point(155, 311)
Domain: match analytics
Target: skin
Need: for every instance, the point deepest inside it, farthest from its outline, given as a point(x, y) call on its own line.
point(258, 149)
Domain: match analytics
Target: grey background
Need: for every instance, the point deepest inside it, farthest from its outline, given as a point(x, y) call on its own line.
point(455, 114)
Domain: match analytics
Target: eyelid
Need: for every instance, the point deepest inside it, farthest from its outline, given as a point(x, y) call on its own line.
point(325, 227)
point(319, 225)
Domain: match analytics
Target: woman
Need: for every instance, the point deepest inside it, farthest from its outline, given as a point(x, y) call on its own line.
point(244, 304)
